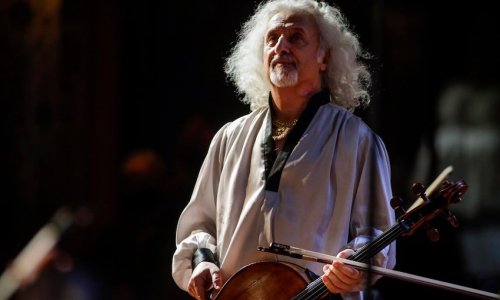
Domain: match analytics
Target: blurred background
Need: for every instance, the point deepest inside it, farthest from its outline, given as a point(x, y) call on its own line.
point(108, 108)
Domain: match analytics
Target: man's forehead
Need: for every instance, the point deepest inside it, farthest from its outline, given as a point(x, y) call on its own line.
point(290, 19)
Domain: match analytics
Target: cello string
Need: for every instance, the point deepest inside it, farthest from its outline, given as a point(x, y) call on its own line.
point(411, 278)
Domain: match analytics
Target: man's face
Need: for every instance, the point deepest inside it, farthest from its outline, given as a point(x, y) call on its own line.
point(291, 50)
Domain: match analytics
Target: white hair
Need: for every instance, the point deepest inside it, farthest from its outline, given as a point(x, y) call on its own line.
point(347, 78)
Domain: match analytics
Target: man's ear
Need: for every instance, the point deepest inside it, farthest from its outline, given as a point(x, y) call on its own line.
point(322, 58)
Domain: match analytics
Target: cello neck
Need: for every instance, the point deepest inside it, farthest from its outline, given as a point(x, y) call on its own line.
point(317, 289)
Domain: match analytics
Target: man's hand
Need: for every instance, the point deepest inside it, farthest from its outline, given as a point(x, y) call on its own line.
point(205, 275)
point(340, 278)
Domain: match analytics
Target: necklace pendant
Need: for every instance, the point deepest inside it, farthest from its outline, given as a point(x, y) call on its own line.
point(281, 129)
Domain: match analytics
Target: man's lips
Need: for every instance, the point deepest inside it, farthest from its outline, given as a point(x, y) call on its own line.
point(282, 62)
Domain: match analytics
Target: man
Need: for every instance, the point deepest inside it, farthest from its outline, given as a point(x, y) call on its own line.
point(300, 168)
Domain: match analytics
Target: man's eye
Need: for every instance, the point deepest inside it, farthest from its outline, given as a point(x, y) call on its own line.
point(295, 37)
point(272, 38)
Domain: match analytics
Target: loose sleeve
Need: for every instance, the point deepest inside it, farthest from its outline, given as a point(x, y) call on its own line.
point(373, 199)
point(196, 227)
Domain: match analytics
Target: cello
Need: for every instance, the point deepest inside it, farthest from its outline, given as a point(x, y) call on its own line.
point(259, 280)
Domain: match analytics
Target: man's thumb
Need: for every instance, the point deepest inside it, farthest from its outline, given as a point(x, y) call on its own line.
point(216, 280)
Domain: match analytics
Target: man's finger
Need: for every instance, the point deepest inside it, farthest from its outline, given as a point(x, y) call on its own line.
point(216, 280)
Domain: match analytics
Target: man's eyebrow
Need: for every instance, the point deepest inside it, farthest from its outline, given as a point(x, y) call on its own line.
point(284, 28)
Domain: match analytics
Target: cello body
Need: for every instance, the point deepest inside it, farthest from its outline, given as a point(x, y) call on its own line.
point(265, 280)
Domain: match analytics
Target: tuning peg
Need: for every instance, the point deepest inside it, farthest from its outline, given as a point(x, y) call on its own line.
point(419, 190)
point(452, 219)
point(397, 205)
point(432, 233)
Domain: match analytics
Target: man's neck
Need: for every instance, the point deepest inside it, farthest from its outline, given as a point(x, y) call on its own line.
point(290, 102)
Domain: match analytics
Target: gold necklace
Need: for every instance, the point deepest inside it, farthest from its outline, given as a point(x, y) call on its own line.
point(281, 129)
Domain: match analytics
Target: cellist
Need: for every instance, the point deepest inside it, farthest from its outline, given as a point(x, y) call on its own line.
point(300, 168)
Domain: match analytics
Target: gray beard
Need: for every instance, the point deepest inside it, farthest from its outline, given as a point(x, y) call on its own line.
point(281, 77)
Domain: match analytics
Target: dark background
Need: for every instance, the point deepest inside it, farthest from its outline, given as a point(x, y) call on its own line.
point(108, 108)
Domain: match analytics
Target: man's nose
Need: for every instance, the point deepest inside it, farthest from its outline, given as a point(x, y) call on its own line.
point(282, 46)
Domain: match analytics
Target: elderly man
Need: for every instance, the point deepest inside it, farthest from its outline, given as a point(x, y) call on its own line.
point(299, 169)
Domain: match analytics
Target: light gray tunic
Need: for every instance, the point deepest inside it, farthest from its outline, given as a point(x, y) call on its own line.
point(321, 204)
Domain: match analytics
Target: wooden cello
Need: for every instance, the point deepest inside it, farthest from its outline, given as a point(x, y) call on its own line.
point(260, 280)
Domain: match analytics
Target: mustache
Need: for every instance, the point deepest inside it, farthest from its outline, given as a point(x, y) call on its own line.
point(282, 59)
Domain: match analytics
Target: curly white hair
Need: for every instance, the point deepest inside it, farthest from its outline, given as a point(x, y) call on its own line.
point(347, 77)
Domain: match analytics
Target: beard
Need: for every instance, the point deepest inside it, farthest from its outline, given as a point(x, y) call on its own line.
point(284, 75)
